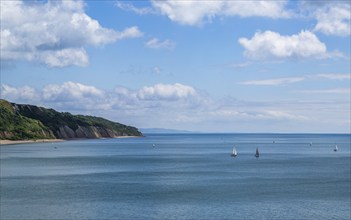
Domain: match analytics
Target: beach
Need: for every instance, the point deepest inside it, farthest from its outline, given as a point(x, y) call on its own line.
point(10, 142)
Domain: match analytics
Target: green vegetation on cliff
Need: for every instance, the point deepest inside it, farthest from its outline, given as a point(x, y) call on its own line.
point(14, 126)
point(28, 121)
point(101, 122)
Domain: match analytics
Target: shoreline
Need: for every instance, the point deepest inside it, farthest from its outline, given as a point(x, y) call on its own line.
point(129, 137)
point(13, 142)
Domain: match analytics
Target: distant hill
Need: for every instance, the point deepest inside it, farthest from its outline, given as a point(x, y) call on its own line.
point(20, 122)
point(162, 130)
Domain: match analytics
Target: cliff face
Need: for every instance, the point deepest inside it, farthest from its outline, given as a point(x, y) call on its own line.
point(65, 125)
point(65, 132)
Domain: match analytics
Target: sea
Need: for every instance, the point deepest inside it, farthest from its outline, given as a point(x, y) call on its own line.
point(179, 176)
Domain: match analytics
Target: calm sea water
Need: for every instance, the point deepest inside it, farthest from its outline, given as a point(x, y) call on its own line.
point(185, 176)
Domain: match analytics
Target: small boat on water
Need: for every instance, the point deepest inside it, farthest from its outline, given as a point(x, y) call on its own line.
point(336, 148)
point(257, 154)
point(234, 153)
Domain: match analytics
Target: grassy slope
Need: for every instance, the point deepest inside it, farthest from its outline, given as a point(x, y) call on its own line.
point(18, 127)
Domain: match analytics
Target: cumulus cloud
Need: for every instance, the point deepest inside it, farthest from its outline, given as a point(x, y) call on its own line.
point(67, 96)
point(130, 32)
point(271, 9)
point(155, 43)
point(197, 12)
point(70, 91)
point(166, 92)
point(25, 93)
point(164, 105)
point(79, 96)
point(54, 33)
point(334, 19)
point(64, 57)
point(269, 44)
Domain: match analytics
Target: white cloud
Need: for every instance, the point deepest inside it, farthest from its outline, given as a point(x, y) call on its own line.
point(274, 82)
point(271, 9)
point(25, 93)
point(131, 32)
point(197, 12)
point(172, 105)
point(268, 44)
point(166, 92)
point(75, 96)
point(160, 98)
point(281, 115)
point(334, 19)
point(126, 6)
point(346, 91)
point(290, 80)
point(334, 76)
point(54, 33)
point(155, 43)
point(65, 57)
point(188, 12)
point(69, 91)
point(262, 114)
point(157, 97)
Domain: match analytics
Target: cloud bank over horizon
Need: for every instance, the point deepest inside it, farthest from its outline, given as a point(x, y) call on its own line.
point(163, 104)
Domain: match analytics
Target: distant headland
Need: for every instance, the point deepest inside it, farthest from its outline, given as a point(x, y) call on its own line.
point(30, 122)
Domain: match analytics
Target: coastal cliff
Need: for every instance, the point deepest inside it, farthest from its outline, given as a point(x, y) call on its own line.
point(20, 121)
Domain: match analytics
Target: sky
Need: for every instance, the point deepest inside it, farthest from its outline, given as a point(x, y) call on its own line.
point(206, 66)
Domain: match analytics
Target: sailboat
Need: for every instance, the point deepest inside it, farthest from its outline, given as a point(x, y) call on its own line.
point(336, 148)
point(257, 154)
point(234, 153)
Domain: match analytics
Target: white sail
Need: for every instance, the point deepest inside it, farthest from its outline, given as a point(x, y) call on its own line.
point(336, 148)
point(234, 153)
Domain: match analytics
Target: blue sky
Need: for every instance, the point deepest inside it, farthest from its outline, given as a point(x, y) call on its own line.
point(215, 66)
